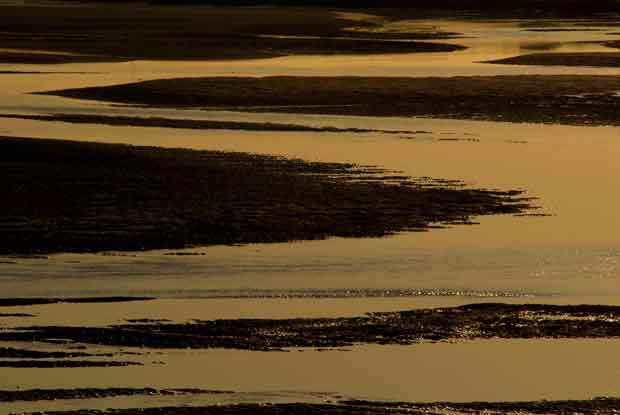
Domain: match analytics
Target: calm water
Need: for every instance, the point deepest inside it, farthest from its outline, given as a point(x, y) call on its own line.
point(469, 371)
point(572, 170)
point(571, 256)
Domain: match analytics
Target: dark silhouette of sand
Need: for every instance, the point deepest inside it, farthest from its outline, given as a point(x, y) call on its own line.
point(64, 196)
point(598, 59)
point(194, 124)
point(34, 395)
point(469, 322)
point(535, 98)
point(123, 31)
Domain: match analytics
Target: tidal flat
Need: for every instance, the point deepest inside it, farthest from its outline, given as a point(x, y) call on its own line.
point(593, 406)
point(193, 124)
point(125, 31)
point(349, 109)
point(469, 322)
point(66, 196)
point(67, 364)
point(559, 99)
point(89, 393)
point(600, 59)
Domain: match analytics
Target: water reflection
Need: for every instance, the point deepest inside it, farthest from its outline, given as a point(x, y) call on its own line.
point(573, 170)
point(469, 371)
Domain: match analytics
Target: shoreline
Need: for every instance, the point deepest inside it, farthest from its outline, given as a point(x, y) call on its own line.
point(124, 31)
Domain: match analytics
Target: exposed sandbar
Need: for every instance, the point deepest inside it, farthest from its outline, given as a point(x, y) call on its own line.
point(64, 196)
point(597, 59)
point(34, 58)
point(586, 407)
point(613, 43)
point(12, 353)
point(33, 395)
point(69, 364)
point(193, 124)
point(566, 99)
point(125, 31)
point(28, 301)
point(476, 321)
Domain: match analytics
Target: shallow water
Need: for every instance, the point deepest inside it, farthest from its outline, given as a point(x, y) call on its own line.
point(572, 256)
point(572, 170)
point(468, 371)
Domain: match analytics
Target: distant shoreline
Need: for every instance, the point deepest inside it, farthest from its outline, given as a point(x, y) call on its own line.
point(125, 31)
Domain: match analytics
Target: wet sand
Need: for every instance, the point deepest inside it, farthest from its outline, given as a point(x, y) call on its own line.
point(270, 46)
point(601, 59)
point(16, 302)
point(194, 124)
point(34, 58)
point(469, 322)
point(89, 393)
point(67, 364)
point(342, 190)
point(593, 406)
point(129, 31)
point(541, 99)
point(9, 352)
point(85, 197)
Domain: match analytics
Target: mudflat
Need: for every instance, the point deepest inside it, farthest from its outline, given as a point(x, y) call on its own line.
point(18, 302)
point(566, 99)
point(63, 196)
point(122, 31)
point(67, 364)
point(193, 124)
point(469, 322)
point(599, 59)
point(591, 406)
point(32, 395)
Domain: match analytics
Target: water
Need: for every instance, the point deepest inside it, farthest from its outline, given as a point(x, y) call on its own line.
point(571, 256)
point(469, 371)
point(571, 170)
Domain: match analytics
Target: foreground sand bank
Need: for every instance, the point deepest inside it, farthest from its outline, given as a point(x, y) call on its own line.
point(80, 197)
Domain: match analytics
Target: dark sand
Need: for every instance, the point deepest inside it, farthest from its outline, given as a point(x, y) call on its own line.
point(613, 43)
point(597, 59)
point(62, 196)
point(585, 407)
point(12, 353)
point(562, 29)
point(35, 72)
point(33, 395)
point(130, 30)
point(193, 124)
point(477, 321)
point(16, 302)
point(596, 405)
point(34, 58)
point(514, 8)
point(546, 99)
point(68, 364)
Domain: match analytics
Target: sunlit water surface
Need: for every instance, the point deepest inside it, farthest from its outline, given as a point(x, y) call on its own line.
point(571, 256)
point(571, 170)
